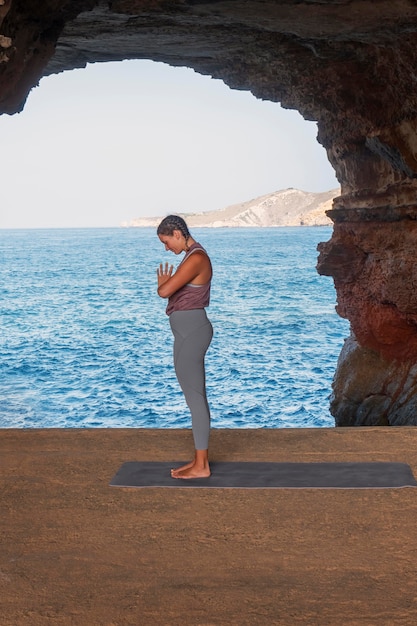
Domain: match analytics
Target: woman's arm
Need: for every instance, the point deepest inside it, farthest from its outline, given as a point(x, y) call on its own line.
point(196, 268)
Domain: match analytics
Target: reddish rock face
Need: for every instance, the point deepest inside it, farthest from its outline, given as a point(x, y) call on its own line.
point(348, 64)
point(374, 266)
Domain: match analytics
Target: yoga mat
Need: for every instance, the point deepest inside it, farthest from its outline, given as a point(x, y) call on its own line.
point(262, 475)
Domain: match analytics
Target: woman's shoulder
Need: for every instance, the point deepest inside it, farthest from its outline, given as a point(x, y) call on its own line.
point(198, 257)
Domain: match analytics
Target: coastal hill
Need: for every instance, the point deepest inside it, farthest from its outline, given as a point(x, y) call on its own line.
point(288, 207)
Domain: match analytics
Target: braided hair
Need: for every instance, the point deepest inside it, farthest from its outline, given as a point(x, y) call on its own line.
point(171, 223)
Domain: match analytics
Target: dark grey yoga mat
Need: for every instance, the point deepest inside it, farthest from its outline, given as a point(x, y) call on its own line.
point(250, 475)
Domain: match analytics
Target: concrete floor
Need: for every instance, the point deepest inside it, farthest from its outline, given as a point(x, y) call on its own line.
point(74, 551)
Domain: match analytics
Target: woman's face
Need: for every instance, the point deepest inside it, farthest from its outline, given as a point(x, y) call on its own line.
point(174, 243)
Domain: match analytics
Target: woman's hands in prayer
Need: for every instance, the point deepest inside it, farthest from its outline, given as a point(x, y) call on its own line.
point(164, 273)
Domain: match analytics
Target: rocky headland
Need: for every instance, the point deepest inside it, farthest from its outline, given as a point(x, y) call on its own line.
point(288, 207)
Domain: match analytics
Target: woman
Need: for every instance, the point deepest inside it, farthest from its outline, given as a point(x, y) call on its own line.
point(188, 293)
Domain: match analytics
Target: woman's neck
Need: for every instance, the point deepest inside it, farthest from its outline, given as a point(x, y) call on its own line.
point(190, 242)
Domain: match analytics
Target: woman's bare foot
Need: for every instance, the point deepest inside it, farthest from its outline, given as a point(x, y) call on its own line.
point(174, 470)
point(191, 472)
point(197, 468)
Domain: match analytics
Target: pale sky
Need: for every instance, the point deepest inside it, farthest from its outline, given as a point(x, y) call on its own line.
point(115, 141)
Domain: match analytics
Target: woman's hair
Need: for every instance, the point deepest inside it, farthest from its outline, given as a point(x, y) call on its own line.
point(171, 223)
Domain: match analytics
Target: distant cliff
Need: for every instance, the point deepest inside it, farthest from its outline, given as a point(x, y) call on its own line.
point(288, 207)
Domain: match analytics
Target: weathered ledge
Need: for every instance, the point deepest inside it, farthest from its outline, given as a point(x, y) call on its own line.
point(75, 551)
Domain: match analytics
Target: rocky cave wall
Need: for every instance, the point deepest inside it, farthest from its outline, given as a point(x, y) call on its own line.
point(350, 65)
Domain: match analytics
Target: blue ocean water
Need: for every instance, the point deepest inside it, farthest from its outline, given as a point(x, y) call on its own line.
point(85, 341)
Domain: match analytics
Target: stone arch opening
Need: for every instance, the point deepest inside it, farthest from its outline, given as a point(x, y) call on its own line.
point(349, 65)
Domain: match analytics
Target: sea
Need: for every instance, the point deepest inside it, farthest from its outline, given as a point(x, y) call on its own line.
point(85, 341)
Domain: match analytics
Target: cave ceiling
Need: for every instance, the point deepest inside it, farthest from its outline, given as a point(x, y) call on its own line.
point(349, 65)
point(328, 59)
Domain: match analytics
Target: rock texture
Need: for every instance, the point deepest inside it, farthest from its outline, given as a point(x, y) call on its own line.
point(348, 64)
point(369, 390)
point(373, 264)
point(288, 207)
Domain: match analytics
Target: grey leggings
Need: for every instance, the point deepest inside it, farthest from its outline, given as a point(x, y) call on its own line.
point(193, 332)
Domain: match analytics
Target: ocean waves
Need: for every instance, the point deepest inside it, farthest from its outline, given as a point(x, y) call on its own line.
point(86, 343)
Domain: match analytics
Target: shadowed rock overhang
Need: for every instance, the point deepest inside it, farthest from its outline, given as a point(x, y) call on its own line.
point(350, 65)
